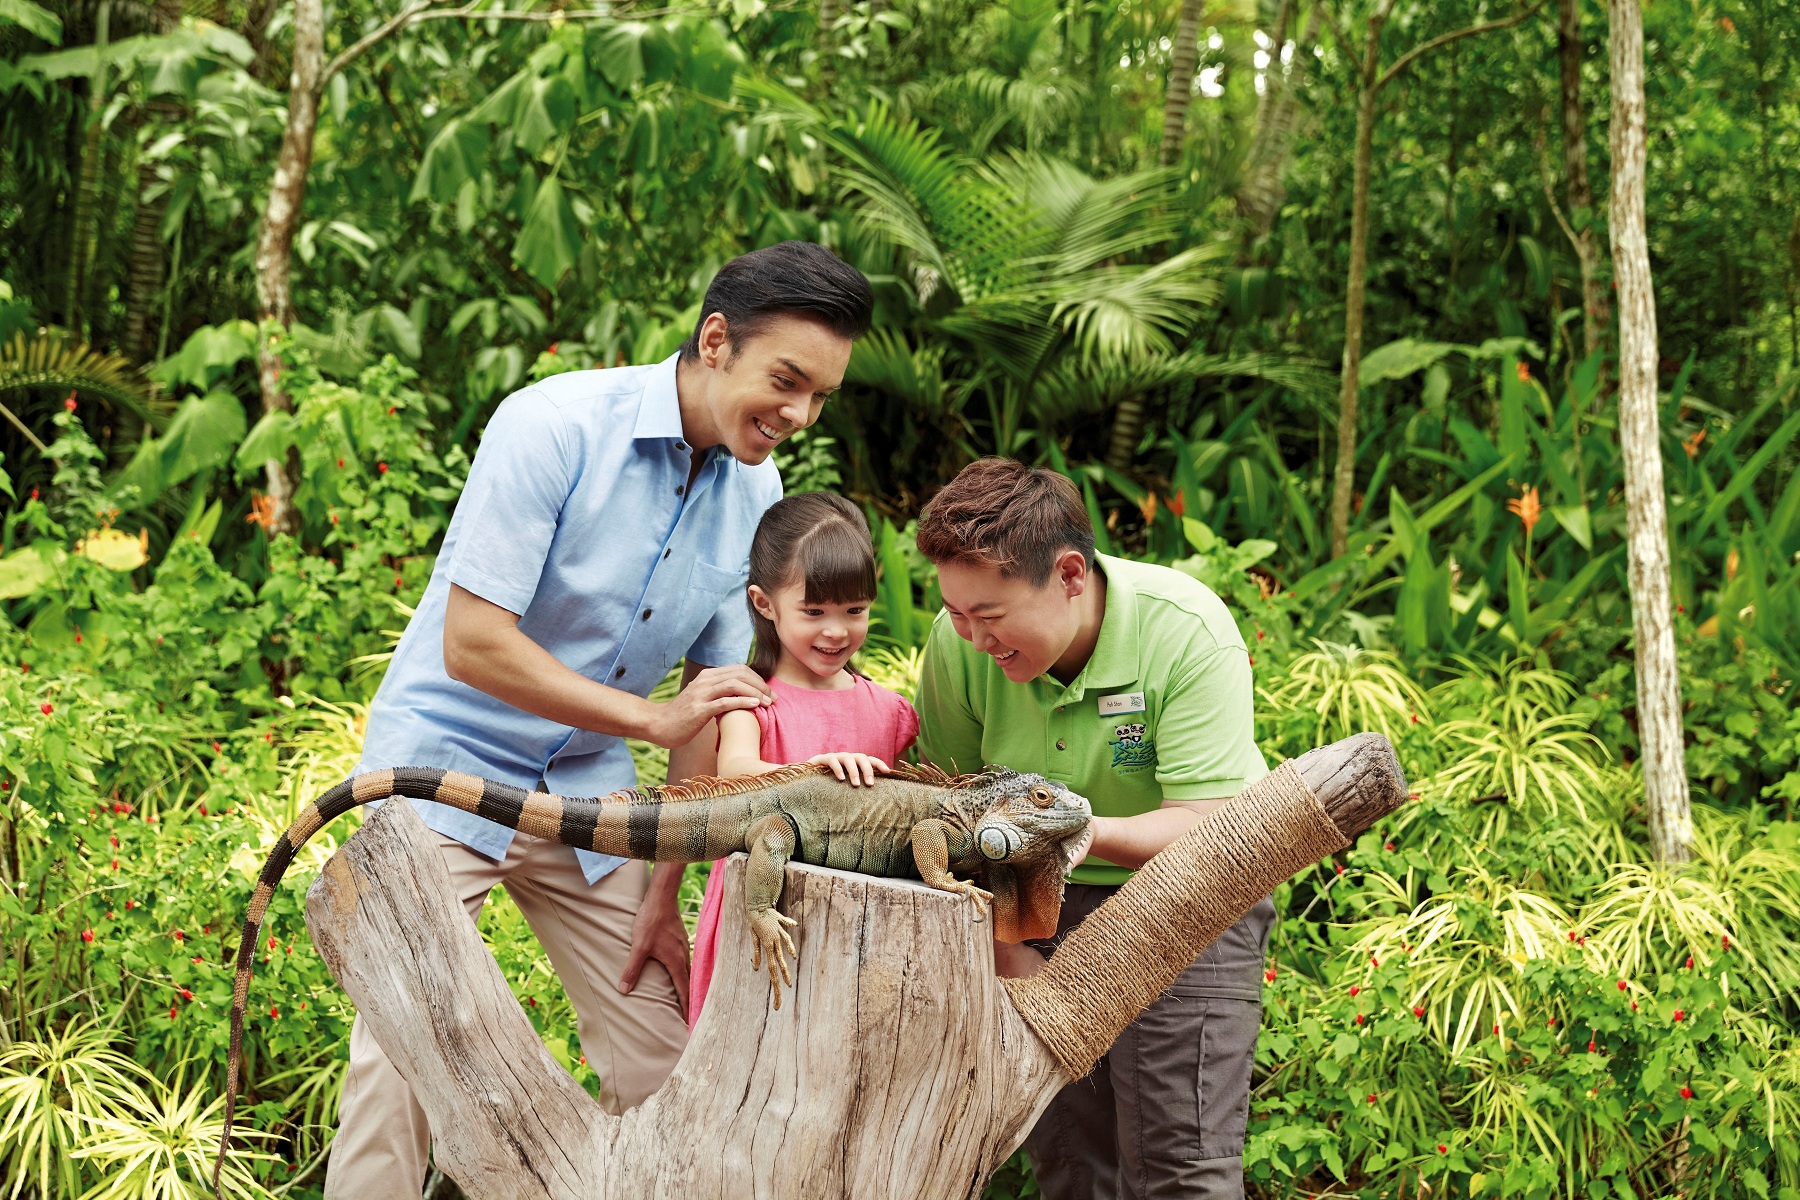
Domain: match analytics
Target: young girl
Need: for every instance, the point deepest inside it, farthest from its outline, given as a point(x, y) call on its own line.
point(812, 576)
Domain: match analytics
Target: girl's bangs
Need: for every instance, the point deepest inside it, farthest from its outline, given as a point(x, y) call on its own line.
point(837, 564)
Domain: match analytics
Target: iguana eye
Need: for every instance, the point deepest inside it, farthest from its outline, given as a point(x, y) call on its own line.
point(1040, 796)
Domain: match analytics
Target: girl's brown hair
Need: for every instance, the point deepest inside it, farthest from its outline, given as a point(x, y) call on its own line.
point(817, 537)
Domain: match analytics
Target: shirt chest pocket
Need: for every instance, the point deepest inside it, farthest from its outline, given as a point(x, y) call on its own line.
point(708, 588)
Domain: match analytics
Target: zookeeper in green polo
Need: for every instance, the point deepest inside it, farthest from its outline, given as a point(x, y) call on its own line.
point(1130, 683)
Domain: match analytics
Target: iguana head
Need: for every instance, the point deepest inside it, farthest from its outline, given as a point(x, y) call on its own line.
point(1030, 833)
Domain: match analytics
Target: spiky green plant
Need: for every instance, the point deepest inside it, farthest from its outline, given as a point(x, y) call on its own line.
point(158, 1143)
point(54, 361)
point(1346, 689)
point(51, 1093)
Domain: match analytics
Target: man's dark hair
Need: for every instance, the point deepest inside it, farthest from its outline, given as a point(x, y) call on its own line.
point(798, 278)
point(998, 512)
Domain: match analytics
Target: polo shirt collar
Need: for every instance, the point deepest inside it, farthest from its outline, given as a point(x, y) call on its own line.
point(1115, 661)
point(659, 411)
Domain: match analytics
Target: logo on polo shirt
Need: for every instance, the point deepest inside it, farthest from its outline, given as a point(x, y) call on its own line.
point(1131, 753)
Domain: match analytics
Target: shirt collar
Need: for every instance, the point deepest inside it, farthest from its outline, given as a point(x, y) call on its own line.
point(1114, 661)
point(659, 410)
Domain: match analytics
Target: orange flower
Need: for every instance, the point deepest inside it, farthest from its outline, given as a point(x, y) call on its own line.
point(1524, 372)
point(1178, 505)
point(262, 511)
point(1727, 25)
point(1692, 445)
point(1147, 506)
point(1731, 564)
point(1527, 509)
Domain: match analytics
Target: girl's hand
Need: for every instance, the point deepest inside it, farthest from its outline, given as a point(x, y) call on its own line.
point(854, 769)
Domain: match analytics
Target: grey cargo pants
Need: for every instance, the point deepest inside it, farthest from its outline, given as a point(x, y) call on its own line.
point(1162, 1115)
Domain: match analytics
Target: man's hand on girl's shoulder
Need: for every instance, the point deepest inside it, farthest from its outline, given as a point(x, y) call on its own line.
point(712, 693)
point(857, 770)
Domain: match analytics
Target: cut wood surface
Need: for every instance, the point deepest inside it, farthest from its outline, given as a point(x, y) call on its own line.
point(901, 1069)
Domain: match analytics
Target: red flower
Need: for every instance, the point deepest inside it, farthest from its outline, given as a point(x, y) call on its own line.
point(34, 493)
point(203, 810)
point(1725, 941)
point(130, 904)
point(69, 402)
point(1622, 985)
point(217, 747)
point(340, 463)
point(274, 1012)
point(382, 467)
point(186, 995)
point(178, 935)
point(1260, 635)
point(1373, 961)
point(1687, 1093)
point(1419, 1011)
point(1634, 1007)
point(552, 350)
point(1338, 866)
point(1355, 990)
point(1387, 845)
point(1496, 1029)
point(271, 941)
point(197, 960)
point(334, 519)
point(1359, 1018)
point(78, 637)
point(171, 1012)
point(1590, 1045)
point(391, 410)
point(46, 708)
point(1178, 505)
point(1680, 1014)
point(115, 864)
point(1269, 974)
point(87, 935)
point(1371, 1097)
point(114, 839)
point(399, 582)
point(1690, 962)
point(1443, 1149)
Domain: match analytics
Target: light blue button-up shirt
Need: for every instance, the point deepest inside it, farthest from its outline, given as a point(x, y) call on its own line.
point(577, 516)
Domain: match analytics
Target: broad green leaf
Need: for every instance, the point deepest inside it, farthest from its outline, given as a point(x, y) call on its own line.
point(1518, 598)
point(455, 157)
point(617, 49)
point(201, 436)
point(267, 441)
point(1199, 535)
point(1745, 475)
point(1577, 520)
point(549, 240)
point(24, 572)
point(209, 353)
point(1400, 358)
point(42, 22)
point(400, 327)
point(546, 109)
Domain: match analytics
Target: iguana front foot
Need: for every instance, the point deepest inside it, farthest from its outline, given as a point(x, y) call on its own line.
point(769, 938)
point(981, 896)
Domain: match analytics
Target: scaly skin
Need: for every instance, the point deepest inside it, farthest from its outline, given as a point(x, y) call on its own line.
point(1015, 832)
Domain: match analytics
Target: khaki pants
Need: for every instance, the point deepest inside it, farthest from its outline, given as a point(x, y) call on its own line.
point(631, 1041)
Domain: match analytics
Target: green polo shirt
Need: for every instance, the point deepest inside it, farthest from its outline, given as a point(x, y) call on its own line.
point(1163, 710)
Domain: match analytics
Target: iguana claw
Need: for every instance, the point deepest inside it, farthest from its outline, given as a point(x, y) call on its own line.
point(981, 896)
point(768, 937)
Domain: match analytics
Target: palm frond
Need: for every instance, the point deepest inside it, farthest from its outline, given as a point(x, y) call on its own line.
point(52, 360)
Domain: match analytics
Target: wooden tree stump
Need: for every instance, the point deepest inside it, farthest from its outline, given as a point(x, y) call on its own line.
point(901, 1068)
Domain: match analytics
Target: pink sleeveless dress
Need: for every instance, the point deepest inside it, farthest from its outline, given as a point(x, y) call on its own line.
point(865, 719)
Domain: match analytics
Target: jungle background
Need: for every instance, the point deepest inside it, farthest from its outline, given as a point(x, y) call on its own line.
point(1111, 236)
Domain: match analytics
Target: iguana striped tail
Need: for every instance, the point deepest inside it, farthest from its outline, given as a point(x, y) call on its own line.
point(635, 827)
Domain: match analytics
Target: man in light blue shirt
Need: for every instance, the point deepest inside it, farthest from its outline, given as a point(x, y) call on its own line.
point(602, 538)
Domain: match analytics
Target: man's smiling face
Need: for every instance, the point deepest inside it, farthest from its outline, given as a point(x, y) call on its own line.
point(1027, 628)
point(768, 387)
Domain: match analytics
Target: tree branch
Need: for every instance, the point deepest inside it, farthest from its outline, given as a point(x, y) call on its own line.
point(1343, 40)
point(1405, 60)
point(386, 29)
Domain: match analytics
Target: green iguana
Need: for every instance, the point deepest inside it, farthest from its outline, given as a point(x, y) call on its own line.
point(1016, 833)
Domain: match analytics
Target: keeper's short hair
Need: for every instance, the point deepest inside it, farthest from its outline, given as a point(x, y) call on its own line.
point(998, 512)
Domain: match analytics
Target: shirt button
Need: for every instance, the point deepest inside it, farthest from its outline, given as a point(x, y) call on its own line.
point(1061, 745)
point(681, 445)
point(680, 488)
point(647, 613)
point(619, 674)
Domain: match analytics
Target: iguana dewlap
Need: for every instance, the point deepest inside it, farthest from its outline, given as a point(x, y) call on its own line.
point(1013, 832)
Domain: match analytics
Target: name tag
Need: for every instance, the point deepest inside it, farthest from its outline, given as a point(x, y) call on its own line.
point(1124, 702)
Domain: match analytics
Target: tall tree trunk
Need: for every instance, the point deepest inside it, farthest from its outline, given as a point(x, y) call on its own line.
point(145, 272)
point(1344, 478)
point(275, 244)
point(1181, 82)
point(1596, 311)
point(1260, 195)
point(87, 181)
point(1658, 684)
